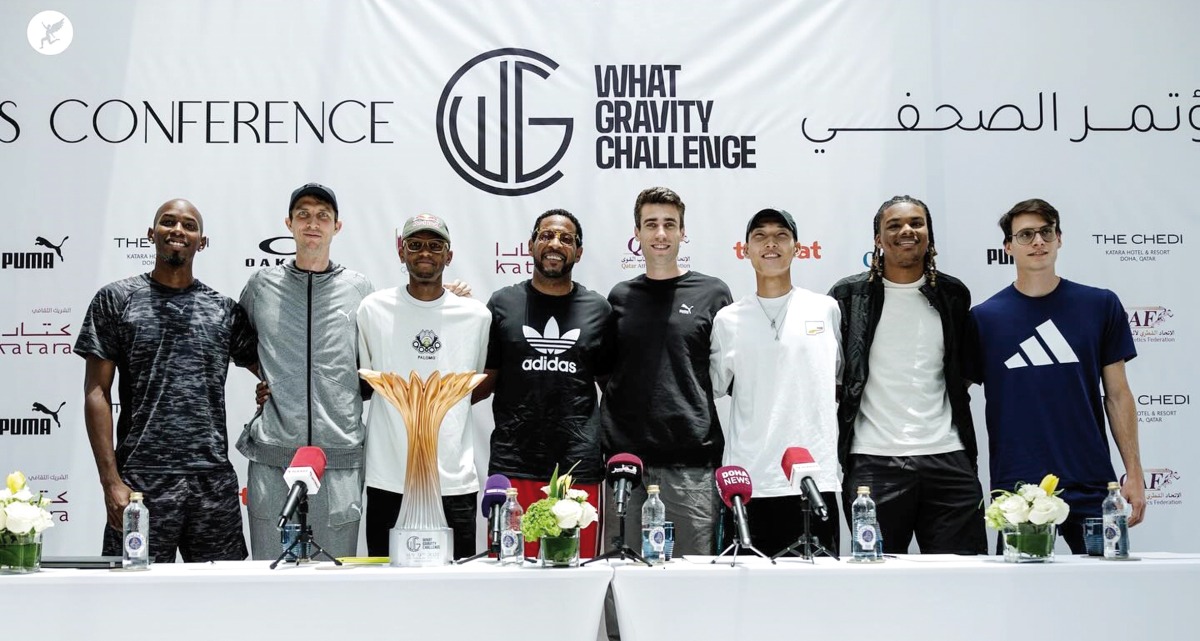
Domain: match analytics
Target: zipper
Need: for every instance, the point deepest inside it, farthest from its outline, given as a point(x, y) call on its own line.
point(308, 369)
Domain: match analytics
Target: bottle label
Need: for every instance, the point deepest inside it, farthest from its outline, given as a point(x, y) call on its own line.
point(510, 543)
point(866, 536)
point(135, 544)
point(658, 538)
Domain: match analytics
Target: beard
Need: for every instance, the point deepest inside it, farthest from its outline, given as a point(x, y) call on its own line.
point(174, 259)
point(562, 272)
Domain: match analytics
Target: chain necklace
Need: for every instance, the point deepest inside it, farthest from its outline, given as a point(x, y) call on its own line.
point(776, 320)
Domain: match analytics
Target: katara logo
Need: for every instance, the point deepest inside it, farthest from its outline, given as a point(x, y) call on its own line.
point(501, 169)
point(49, 33)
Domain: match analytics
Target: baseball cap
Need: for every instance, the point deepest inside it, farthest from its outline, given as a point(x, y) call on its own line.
point(425, 222)
point(771, 215)
point(313, 189)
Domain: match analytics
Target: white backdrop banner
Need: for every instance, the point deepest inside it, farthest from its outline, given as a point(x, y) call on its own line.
point(488, 113)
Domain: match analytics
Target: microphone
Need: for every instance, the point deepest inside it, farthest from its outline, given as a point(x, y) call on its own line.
point(304, 475)
point(495, 493)
point(733, 484)
point(799, 466)
point(625, 473)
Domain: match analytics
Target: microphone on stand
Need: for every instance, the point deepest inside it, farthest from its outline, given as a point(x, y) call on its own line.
point(800, 467)
point(733, 484)
point(625, 474)
point(304, 475)
point(495, 493)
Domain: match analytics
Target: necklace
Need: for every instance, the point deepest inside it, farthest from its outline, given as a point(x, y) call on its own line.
point(776, 320)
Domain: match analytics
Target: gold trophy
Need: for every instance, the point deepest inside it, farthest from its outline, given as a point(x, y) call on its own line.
point(421, 537)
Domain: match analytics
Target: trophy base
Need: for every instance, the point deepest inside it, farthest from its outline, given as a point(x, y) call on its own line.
point(420, 548)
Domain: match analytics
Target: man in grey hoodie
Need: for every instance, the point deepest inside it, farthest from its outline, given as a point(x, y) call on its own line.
point(305, 312)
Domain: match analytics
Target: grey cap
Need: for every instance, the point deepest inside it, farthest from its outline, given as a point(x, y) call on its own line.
point(425, 222)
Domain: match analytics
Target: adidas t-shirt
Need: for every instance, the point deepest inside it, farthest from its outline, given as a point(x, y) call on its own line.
point(1040, 361)
point(172, 349)
point(548, 351)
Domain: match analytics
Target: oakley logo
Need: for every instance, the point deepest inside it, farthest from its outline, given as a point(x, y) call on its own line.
point(516, 160)
point(1032, 353)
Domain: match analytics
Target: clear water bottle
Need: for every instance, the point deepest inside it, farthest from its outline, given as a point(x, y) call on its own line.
point(136, 534)
point(512, 542)
point(1116, 525)
point(866, 546)
point(654, 520)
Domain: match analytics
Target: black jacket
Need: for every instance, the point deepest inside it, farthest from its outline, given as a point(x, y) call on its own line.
point(862, 306)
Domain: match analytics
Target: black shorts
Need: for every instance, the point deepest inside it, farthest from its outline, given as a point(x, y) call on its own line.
point(197, 515)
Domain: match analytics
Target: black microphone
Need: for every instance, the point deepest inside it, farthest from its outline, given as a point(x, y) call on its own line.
point(799, 466)
point(304, 475)
point(733, 484)
point(495, 493)
point(625, 474)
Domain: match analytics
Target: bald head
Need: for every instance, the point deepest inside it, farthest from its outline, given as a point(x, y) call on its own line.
point(179, 206)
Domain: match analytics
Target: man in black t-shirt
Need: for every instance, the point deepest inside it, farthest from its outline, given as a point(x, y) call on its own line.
point(545, 353)
point(171, 338)
point(659, 401)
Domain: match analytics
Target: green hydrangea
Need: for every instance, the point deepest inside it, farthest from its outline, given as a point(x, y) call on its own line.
point(539, 521)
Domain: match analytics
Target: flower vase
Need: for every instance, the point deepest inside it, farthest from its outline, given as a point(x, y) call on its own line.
point(20, 553)
point(1029, 543)
point(560, 551)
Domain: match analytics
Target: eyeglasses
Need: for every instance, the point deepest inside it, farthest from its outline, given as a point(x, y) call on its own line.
point(564, 237)
point(433, 245)
point(1025, 236)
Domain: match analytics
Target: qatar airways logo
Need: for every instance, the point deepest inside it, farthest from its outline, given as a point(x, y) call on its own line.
point(549, 342)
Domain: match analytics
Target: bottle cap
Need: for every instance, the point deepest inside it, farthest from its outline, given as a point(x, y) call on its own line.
point(1113, 485)
point(864, 489)
point(135, 496)
point(512, 491)
point(652, 489)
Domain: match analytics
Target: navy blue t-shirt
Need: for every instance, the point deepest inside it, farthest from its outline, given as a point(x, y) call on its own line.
point(1040, 362)
point(172, 349)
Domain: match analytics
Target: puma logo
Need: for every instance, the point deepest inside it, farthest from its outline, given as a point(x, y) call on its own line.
point(42, 242)
point(38, 407)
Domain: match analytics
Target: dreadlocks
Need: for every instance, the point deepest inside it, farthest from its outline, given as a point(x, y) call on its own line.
point(876, 269)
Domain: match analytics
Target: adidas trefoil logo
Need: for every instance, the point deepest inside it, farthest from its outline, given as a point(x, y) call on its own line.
point(1031, 352)
point(549, 342)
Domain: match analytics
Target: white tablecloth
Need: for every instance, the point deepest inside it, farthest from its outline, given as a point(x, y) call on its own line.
point(951, 598)
point(245, 600)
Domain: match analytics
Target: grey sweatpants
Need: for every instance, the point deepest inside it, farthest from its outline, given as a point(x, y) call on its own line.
point(334, 512)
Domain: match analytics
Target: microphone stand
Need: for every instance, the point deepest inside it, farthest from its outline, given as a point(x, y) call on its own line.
point(619, 549)
point(305, 539)
point(807, 546)
point(492, 548)
point(737, 546)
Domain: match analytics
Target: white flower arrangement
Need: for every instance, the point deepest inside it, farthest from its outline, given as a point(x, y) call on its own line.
point(21, 511)
point(1036, 504)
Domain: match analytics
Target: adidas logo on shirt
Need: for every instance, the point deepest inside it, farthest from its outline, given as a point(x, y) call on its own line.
point(1031, 352)
point(549, 342)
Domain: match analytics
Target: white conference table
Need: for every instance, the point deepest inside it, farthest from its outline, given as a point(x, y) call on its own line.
point(911, 597)
point(478, 601)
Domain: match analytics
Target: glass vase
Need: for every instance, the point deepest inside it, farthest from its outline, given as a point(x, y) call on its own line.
point(560, 551)
point(1029, 543)
point(20, 553)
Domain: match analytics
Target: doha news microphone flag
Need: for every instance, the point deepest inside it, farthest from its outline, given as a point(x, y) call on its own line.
point(304, 478)
point(733, 484)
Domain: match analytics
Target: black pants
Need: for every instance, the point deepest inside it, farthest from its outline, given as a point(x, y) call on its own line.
point(383, 507)
point(778, 522)
point(935, 496)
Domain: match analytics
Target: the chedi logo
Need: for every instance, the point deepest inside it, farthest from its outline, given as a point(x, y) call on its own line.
point(549, 343)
